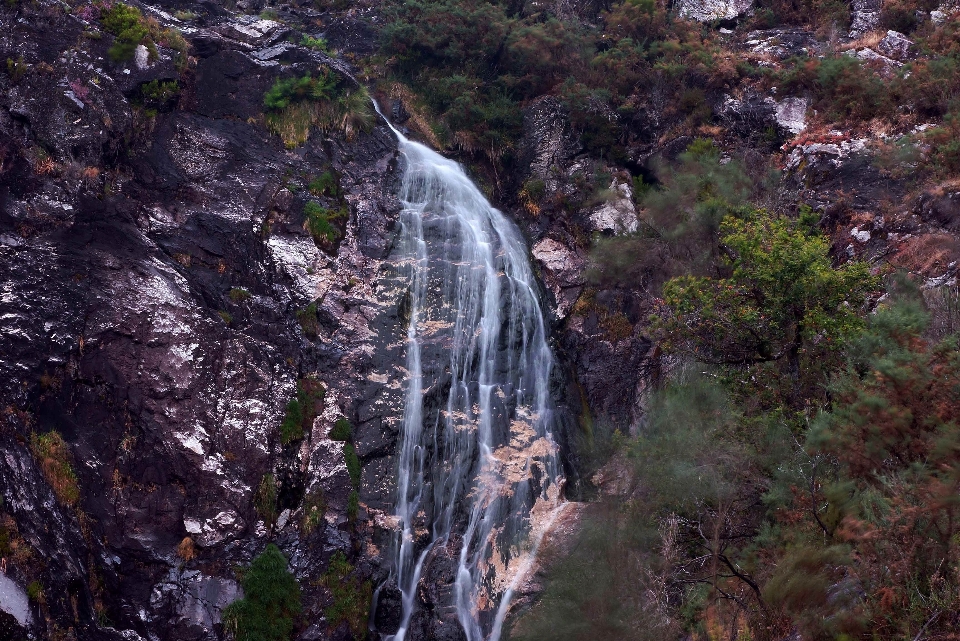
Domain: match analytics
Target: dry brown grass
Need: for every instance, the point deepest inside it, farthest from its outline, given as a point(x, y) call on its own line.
point(928, 254)
point(187, 550)
point(869, 40)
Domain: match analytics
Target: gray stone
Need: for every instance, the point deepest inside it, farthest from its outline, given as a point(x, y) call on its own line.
point(865, 16)
point(709, 10)
point(791, 114)
point(896, 45)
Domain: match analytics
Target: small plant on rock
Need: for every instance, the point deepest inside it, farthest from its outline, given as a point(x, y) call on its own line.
point(271, 602)
point(129, 27)
point(325, 184)
point(314, 507)
point(319, 221)
point(307, 317)
point(341, 430)
point(16, 69)
point(53, 454)
point(265, 500)
point(319, 44)
point(351, 597)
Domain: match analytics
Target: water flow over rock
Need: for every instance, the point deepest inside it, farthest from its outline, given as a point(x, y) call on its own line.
point(479, 482)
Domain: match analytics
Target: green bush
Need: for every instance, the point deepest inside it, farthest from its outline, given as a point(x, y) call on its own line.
point(291, 428)
point(326, 184)
point(294, 105)
point(353, 506)
point(159, 95)
point(271, 600)
point(353, 464)
point(301, 410)
point(35, 592)
point(307, 317)
point(351, 597)
point(287, 91)
point(238, 294)
point(319, 221)
point(341, 430)
point(129, 27)
point(320, 44)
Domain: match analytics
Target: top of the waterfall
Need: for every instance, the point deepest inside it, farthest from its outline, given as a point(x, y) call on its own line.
point(400, 136)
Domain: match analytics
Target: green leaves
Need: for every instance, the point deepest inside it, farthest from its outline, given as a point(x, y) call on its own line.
point(271, 600)
point(130, 29)
point(351, 597)
point(290, 90)
point(782, 295)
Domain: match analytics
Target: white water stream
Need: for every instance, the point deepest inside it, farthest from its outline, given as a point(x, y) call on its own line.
point(484, 471)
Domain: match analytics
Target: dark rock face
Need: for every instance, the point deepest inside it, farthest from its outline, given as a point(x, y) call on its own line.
point(121, 236)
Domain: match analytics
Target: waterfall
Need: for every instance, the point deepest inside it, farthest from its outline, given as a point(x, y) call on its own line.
point(478, 474)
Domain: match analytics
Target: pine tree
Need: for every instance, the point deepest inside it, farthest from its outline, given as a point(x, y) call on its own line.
point(271, 600)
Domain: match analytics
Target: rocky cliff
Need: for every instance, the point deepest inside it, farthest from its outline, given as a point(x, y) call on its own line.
point(162, 300)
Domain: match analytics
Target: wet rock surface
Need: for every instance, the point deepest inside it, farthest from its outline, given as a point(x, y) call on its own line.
point(122, 235)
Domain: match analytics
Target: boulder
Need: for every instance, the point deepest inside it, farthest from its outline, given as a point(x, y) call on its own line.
point(710, 10)
point(895, 45)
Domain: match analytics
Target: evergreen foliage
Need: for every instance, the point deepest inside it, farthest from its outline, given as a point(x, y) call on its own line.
point(295, 105)
point(341, 430)
point(351, 597)
point(271, 603)
point(782, 297)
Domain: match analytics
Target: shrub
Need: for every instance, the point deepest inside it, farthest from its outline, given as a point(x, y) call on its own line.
point(56, 462)
point(35, 592)
point(291, 429)
point(294, 105)
point(16, 69)
point(301, 410)
point(782, 299)
point(353, 464)
point(351, 597)
point(265, 500)
point(287, 91)
point(239, 294)
point(271, 600)
point(226, 316)
point(129, 27)
point(320, 44)
point(159, 95)
point(945, 146)
point(326, 184)
point(319, 221)
point(341, 430)
point(307, 317)
point(353, 506)
point(314, 508)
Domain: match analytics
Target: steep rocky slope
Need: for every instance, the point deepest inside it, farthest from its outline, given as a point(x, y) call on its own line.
point(124, 234)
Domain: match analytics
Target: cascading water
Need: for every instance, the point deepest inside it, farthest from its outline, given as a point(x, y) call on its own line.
point(478, 474)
